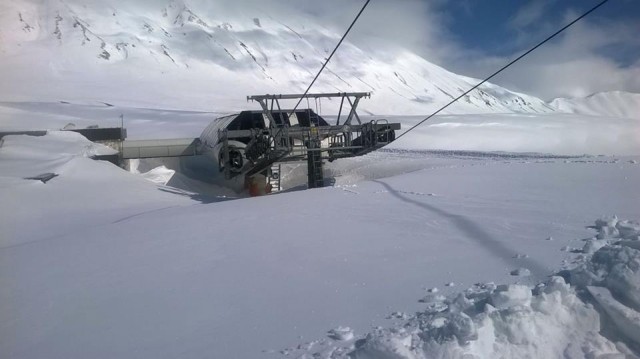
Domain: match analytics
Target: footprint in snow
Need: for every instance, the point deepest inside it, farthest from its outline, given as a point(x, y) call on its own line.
point(520, 272)
point(340, 333)
point(398, 315)
point(349, 190)
point(417, 193)
point(433, 298)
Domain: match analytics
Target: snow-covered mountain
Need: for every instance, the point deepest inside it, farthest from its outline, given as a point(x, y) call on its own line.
point(614, 103)
point(175, 54)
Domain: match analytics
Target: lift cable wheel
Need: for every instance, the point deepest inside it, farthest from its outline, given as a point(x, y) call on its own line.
point(266, 137)
point(504, 67)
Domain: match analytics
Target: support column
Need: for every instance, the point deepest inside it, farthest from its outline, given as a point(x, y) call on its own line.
point(315, 176)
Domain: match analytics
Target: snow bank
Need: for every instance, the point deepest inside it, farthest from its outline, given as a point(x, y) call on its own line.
point(616, 267)
point(54, 143)
point(505, 321)
point(83, 193)
point(594, 314)
point(612, 276)
point(160, 175)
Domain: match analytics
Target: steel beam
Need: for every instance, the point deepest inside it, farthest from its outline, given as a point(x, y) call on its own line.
point(322, 130)
point(309, 95)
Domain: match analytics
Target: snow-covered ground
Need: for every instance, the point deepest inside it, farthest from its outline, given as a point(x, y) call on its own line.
point(98, 262)
point(428, 248)
point(564, 133)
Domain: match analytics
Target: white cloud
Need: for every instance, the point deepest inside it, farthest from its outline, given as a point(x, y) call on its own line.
point(528, 14)
point(579, 62)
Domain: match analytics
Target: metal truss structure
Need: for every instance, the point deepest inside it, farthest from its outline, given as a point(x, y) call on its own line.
point(284, 138)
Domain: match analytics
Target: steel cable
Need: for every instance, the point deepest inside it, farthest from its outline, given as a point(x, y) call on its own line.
point(503, 68)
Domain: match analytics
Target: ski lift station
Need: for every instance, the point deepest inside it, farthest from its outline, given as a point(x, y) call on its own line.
point(253, 143)
point(251, 146)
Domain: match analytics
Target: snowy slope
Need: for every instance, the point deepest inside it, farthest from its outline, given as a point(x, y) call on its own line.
point(101, 263)
point(614, 103)
point(182, 55)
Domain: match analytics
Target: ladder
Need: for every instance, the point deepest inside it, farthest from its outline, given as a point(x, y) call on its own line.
point(315, 176)
point(314, 168)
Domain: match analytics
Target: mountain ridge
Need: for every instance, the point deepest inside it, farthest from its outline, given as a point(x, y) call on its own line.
point(608, 103)
point(179, 55)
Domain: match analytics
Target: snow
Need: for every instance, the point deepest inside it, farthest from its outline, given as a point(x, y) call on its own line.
point(508, 322)
point(465, 238)
point(59, 144)
point(520, 271)
point(123, 265)
point(141, 123)
point(556, 133)
point(551, 133)
point(341, 333)
point(552, 320)
point(85, 193)
point(626, 320)
point(144, 54)
point(610, 104)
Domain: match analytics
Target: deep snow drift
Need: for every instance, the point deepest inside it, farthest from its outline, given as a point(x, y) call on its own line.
point(123, 266)
point(99, 262)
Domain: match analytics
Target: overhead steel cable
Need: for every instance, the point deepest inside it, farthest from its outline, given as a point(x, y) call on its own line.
point(330, 56)
point(504, 67)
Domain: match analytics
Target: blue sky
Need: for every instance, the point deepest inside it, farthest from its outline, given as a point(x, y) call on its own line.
point(600, 53)
point(497, 26)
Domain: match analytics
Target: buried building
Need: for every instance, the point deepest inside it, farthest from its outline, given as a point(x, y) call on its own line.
point(253, 143)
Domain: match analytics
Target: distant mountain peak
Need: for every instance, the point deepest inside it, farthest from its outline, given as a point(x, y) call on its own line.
point(609, 103)
point(120, 51)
